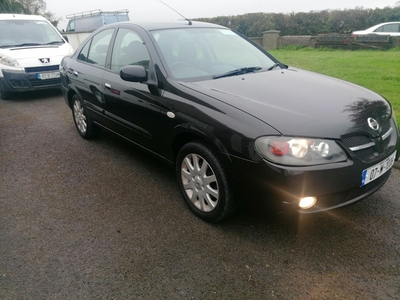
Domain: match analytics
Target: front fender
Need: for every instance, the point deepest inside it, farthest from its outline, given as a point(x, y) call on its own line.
point(186, 132)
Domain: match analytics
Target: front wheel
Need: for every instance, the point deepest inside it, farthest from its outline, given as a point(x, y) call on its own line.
point(83, 123)
point(203, 182)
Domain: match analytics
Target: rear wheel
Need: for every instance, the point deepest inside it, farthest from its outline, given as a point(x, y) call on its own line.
point(83, 123)
point(203, 182)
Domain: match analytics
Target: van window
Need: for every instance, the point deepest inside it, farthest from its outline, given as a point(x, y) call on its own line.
point(71, 26)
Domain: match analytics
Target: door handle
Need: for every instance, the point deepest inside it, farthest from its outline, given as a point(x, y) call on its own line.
point(72, 71)
point(109, 87)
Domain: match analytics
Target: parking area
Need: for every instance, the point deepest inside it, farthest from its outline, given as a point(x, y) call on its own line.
point(102, 220)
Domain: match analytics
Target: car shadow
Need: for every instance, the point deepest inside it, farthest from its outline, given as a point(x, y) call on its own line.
point(38, 95)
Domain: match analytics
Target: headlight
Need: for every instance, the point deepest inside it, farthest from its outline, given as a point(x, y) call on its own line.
point(8, 61)
point(299, 151)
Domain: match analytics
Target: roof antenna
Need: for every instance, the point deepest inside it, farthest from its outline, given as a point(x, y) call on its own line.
point(190, 22)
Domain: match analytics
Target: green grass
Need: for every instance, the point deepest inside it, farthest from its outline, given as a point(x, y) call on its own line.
point(376, 70)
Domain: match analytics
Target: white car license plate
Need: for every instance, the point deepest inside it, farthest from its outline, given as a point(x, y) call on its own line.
point(377, 170)
point(48, 75)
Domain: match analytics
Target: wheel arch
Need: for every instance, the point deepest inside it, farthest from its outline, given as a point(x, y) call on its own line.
point(70, 94)
point(186, 136)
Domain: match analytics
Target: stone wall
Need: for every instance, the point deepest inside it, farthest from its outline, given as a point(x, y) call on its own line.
point(288, 40)
point(271, 39)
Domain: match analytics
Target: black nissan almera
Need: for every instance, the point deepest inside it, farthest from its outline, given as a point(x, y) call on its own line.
point(230, 117)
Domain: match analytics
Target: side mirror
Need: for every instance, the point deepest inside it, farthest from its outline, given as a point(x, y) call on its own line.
point(65, 38)
point(133, 73)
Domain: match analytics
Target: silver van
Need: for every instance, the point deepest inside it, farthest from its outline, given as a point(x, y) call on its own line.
point(91, 20)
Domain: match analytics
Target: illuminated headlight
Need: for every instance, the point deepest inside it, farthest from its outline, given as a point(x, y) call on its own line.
point(8, 61)
point(299, 151)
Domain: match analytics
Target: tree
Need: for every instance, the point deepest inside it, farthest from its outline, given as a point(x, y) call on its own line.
point(29, 7)
point(11, 6)
point(311, 23)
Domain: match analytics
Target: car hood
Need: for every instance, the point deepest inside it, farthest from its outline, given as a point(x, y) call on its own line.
point(29, 56)
point(300, 103)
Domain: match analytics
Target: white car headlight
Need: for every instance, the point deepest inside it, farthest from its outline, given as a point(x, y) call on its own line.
point(8, 61)
point(294, 151)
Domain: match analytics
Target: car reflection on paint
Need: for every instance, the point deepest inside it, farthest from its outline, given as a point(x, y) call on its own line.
point(232, 119)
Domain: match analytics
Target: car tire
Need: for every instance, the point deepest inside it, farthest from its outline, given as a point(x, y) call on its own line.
point(83, 123)
point(203, 182)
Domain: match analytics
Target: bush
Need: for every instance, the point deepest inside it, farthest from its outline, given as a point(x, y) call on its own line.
point(311, 23)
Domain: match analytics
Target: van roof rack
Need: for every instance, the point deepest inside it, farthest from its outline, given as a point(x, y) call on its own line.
point(96, 12)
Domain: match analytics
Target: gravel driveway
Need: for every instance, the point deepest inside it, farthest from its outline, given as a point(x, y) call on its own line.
point(102, 220)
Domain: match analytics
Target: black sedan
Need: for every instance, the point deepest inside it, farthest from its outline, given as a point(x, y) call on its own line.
point(232, 119)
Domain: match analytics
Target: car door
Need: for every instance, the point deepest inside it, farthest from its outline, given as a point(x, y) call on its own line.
point(87, 72)
point(130, 105)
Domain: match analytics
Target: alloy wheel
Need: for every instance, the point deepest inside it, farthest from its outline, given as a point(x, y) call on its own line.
point(199, 182)
point(80, 118)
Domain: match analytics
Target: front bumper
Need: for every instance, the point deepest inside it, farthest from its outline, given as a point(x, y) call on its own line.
point(28, 80)
point(334, 185)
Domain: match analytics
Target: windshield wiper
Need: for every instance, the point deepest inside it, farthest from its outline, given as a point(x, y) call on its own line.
point(238, 72)
point(278, 64)
point(55, 43)
point(27, 44)
point(32, 44)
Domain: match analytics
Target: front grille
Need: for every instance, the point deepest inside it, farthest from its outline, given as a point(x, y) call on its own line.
point(368, 148)
point(356, 140)
point(42, 69)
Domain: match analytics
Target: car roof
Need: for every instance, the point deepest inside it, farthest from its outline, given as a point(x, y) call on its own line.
point(149, 26)
point(381, 24)
point(20, 17)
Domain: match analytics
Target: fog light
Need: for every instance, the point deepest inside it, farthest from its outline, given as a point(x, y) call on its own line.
point(307, 202)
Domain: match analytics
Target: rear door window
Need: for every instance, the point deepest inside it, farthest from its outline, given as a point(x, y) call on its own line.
point(98, 48)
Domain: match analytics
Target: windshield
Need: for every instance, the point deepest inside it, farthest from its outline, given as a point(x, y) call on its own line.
point(20, 33)
point(191, 53)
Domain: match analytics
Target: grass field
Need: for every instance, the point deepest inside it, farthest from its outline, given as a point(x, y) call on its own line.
point(376, 70)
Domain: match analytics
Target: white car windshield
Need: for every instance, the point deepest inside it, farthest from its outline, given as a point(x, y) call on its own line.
point(20, 33)
point(209, 53)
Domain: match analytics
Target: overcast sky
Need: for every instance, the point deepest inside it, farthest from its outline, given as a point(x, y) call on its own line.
point(149, 10)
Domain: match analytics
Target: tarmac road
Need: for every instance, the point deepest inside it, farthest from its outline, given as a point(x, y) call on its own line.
point(102, 220)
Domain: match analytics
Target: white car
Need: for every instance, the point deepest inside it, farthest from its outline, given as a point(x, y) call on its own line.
point(31, 50)
point(389, 28)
